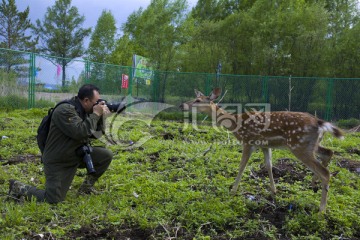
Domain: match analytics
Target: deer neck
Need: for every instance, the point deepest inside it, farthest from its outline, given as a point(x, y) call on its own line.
point(224, 118)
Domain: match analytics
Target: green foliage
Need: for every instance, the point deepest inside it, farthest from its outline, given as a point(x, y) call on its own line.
point(155, 31)
point(13, 25)
point(176, 184)
point(102, 45)
point(299, 38)
point(11, 102)
point(348, 123)
point(102, 41)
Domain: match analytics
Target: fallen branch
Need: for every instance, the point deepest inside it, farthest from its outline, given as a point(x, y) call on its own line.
point(355, 129)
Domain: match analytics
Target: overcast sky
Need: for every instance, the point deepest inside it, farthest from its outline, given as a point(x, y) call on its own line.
point(91, 9)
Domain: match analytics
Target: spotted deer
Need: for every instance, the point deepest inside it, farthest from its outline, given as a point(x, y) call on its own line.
point(299, 132)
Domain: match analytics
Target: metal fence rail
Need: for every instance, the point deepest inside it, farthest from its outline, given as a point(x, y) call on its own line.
point(39, 77)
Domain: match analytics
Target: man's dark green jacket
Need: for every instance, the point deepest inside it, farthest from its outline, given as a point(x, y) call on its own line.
point(70, 128)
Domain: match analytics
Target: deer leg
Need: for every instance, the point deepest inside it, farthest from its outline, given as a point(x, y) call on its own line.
point(324, 155)
point(319, 170)
point(247, 150)
point(268, 165)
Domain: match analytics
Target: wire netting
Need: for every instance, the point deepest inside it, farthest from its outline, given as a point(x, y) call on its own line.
point(34, 80)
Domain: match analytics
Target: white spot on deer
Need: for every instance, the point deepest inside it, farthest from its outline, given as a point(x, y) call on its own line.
point(293, 147)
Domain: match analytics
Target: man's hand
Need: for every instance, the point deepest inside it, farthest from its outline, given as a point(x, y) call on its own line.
point(101, 109)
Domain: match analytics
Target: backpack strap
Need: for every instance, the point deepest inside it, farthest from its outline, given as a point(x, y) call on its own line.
point(51, 110)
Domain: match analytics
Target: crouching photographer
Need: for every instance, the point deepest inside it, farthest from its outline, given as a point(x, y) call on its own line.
point(67, 148)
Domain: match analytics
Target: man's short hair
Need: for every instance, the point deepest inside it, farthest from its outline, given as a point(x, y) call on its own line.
point(87, 91)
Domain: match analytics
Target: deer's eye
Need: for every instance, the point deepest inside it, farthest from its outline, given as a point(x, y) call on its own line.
point(197, 100)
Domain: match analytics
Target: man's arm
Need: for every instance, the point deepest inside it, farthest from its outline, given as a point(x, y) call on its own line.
point(69, 122)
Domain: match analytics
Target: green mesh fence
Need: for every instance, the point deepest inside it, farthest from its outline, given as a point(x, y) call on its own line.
point(33, 80)
point(14, 78)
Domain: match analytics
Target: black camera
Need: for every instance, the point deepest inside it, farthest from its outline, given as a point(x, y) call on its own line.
point(84, 152)
point(113, 107)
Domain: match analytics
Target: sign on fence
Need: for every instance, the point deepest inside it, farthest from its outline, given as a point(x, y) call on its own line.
point(124, 81)
point(142, 67)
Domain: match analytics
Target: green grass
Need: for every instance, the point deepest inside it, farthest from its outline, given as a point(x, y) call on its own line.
point(176, 186)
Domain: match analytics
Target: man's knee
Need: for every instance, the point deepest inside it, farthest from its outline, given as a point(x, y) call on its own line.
point(102, 154)
point(108, 154)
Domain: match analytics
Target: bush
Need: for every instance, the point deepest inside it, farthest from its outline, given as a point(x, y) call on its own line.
point(348, 123)
point(12, 102)
point(44, 104)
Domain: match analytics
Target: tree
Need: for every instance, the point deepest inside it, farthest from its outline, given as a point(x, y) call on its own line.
point(102, 41)
point(61, 34)
point(344, 15)
point(13, 27)
point(158, 31)
point(101, 46)
point(206, 10)
point(124, 50)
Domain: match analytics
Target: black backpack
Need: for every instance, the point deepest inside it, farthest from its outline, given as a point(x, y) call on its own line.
point(43, 130)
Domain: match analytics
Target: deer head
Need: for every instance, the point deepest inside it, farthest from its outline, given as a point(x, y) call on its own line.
point(201, 102)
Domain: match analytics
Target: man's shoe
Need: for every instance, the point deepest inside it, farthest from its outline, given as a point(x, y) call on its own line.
point(17, 190)
point(87, 187)
point(83, 190)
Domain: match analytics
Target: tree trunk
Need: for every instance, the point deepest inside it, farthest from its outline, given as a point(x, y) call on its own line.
point(63, 74)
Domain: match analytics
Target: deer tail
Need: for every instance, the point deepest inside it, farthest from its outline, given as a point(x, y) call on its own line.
point(328, 127)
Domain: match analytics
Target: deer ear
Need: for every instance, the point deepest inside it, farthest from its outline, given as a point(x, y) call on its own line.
point(198, 93)
point(215, 93)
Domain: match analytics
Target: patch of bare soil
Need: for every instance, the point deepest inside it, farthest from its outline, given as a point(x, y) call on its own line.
point(354, 150)
point(168, 136)
point(121, 233)
point(93, 232)
point(351, 165)
point(289, 170)
point(21, 159)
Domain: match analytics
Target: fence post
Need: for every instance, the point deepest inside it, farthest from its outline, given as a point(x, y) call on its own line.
point(87, 71)
point(265, 90)
point(208, 84)
point(130, 81)
point(31, 90)
point(154, 95)
point(329, 96)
